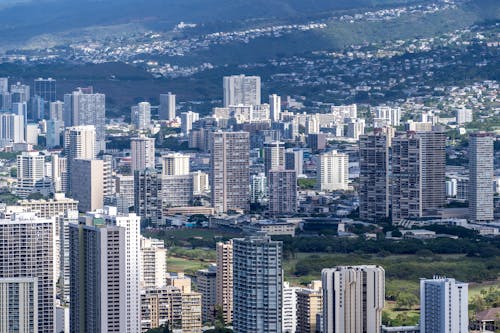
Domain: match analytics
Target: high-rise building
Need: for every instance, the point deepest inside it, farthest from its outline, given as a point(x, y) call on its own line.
point(294, 160)
point(353, 299)
point(27, 260)
point(463, 116)
point(54, 130)
point(153, 263)
point(224, 279)
point(257, 284)
point(176, 191)
point(355, 128)
point(63, 273)
point(143, 153)
point(87, 178)
point(389, 115)
point(309, 307)
point(167, 106)
point(481, 175)
point(59, 171)
point(274, 155)
point(275, 107)
point(79, 143)
point(46, 89)
point(187, 120)
point(207, 286)
point(12, 127)
point(241, 89)
point(124, 192)
point(147, 195)
point(258, 189)
point(105, 272)
point(46, 209)
point(282, 192)
point(175, 164)
point(191, 312)
point(333, 171)
point(20, 92)
point(229, 174)
point(374, 188)
point(30, 171)
point(161, 306)
point(289, 309)
point(108, 185)
point(201, 183)
point(444, 305)
point(4, 85)
point(56, 111)
point(418, 171)
point(19, 304)
point(86, 108)
point(141, 116)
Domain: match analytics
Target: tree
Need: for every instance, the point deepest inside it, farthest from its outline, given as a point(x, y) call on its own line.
point(406, 300)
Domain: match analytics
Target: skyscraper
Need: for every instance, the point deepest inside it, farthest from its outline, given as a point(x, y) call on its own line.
point(289, 308)
point(353, 299)
point(153, 263)
point(444, 305)
point(187, 120)
point(141, 116)
point(87, 180)
point(275, 107)
point(46, 89)
point(105, 272)
point(147, 195)
point(374, 188)
point(309, 306)
point(27, 266)
point(142, 153)
point(30, 171)
point(274, 155)
point(481, 175)
point(12, 127)
point(282, 192)
point(229, 174)
point(333, 171)
point(56, 110)
point(20, 93)
point(207, 286)
point(224, 279)
point(257, 285)
point(79, 143)
point(294, 160)
point(175, 164)
point(167, 106)
point(241, 89)
point(83, 107)
point(418, 171)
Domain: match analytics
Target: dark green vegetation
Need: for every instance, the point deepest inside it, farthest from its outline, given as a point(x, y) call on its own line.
point(40, 17)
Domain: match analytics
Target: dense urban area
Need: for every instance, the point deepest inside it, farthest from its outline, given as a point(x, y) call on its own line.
point(296, 175)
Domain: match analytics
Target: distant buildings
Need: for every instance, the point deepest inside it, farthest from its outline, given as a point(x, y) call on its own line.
point(275, 107)
point(167, 106)
point(83, 107)
point(175, 164)
point(282, 192)
point(241, 90)
point(187, 120)
point(229, 174)
point(141, 116)
point(257, 285)
point(418, 171)
point(207, 286)
point(443, 306)
point(333, 171)
point(30, 173)
point(353, 299)
point(224, 279)
point(142, 153)
point(274, 155)
point(481, 176)
point(87, 179)
point(374, 191)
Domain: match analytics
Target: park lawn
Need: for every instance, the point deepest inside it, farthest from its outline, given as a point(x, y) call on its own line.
point(188, 266)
